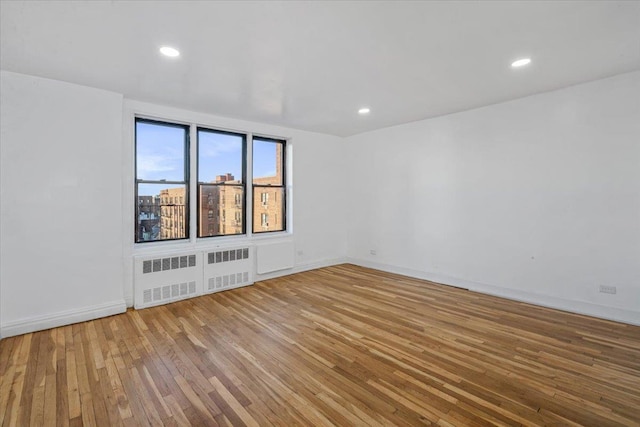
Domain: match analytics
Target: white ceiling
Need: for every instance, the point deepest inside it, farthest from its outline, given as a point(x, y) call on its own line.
point(311, 65)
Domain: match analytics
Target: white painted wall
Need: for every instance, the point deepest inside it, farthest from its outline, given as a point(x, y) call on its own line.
point(537, 199)
point(67, 200)
point(61, 203)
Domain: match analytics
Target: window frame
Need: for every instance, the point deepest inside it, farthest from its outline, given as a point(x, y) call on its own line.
point(186, 182)
point(283, 184)
point(138, 112)
point(245, 139)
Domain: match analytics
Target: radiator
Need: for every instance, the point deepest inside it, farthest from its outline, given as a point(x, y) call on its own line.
point(160, 279)
point(228, 268)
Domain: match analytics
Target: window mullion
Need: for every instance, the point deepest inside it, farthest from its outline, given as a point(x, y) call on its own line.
point(249, 186)
point(193, 181)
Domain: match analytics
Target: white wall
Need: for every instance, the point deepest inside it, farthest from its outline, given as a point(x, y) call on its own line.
point(536, 199)
point(67, 200)
point(61, 203)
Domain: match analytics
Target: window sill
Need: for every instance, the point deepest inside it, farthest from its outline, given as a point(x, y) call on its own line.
point(208, 242)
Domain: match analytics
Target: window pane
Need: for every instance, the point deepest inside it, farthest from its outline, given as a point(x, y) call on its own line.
point(268, 209)
point(161, 212)
point(267, 162)
point(220, 156)
point(221, 210)
point(160, 151)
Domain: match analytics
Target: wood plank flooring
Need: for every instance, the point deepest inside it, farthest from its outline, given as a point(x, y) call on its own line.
point(342, 345)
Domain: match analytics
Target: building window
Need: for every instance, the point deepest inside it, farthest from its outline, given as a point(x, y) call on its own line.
point(221, 181)
point(162, 174)
point(268, 185)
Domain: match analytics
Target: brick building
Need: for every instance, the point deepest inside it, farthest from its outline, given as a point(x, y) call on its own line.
point(173, 213)
point(221, 206)
point(268, 202)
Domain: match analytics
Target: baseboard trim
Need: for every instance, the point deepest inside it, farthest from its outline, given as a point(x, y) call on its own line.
point(576, 307)
point(299, 268)
point(68, 317)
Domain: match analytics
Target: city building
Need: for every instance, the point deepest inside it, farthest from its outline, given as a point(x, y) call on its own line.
point(148, 216)
point(269, 202)
point(221, 207)
point(173, 213)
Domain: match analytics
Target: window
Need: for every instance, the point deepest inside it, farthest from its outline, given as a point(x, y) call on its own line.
point(221, 181)
point(162, 177)
point(268, 185)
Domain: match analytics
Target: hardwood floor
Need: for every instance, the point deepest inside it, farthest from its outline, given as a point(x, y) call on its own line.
point(342, 345)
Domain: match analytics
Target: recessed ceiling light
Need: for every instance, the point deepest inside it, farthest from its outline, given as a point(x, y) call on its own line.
point(521, 62)
point(364, 110)
point(169, 51)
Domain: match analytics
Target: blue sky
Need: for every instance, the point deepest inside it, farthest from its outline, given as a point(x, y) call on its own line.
point(160, 155)
point(218, 154)
point(159, 152)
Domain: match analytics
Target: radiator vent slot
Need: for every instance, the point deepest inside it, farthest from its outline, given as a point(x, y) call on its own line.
point(169, 263)
point(228, 255)
point(167, 293)
point(228, 281)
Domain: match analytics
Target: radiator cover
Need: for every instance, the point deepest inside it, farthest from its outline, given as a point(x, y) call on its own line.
point(173, 276)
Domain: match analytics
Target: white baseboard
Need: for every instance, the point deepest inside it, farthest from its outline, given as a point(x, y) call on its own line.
point(68, 317)
point(299, 268)
point(577, 307)
point(39, 323)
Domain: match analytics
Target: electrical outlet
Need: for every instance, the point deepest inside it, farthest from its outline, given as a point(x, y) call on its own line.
point(373, 252)
point(608, 289)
